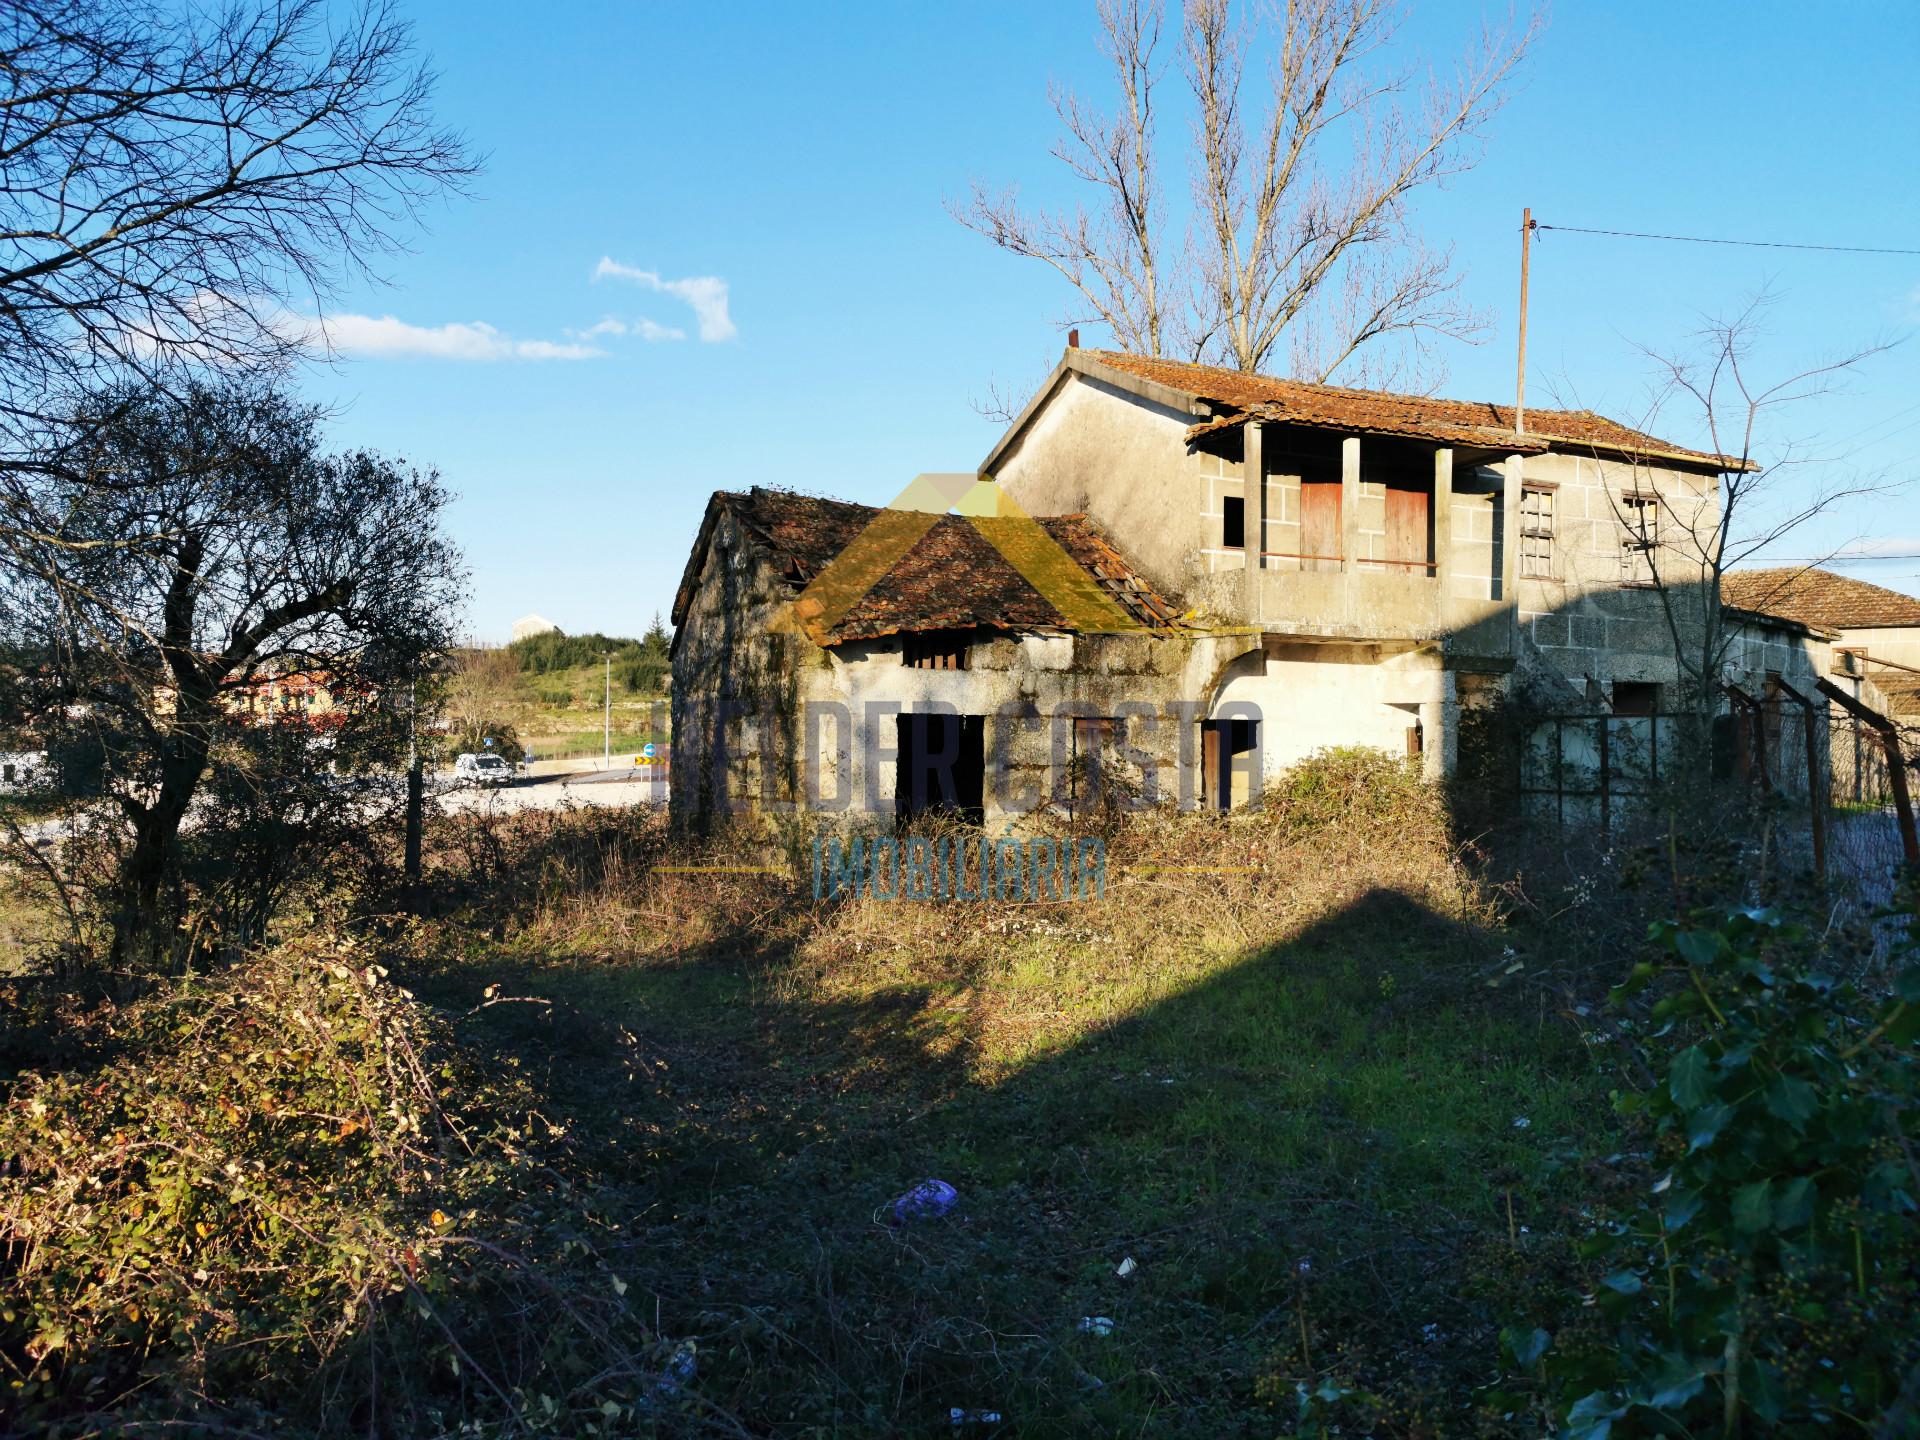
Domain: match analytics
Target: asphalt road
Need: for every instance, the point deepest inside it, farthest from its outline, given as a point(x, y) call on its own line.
point(616, 788)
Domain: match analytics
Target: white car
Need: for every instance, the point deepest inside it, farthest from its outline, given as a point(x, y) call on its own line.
point(482, 770)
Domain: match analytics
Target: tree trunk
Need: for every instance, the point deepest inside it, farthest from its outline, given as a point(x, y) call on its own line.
point(143, 930)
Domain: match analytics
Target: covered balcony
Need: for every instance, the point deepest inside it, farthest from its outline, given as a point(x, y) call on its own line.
point(1367, 538)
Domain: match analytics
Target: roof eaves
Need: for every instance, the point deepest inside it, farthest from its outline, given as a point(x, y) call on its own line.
point(1487, 437)
point(1780, 622)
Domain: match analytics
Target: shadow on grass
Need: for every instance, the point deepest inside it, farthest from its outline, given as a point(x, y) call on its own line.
point(1319, 1157)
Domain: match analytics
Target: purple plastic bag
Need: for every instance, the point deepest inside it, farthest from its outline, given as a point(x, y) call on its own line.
point(928, 1200)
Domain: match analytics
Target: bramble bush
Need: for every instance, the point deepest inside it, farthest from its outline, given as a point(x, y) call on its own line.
point(1767, 1279)
point(283, 1200)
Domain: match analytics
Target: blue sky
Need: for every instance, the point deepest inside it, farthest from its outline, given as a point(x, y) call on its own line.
point(800, 157)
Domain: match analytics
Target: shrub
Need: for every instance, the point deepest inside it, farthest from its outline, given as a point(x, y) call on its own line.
point(1769, 1267)
point(277, 1194)
point(1350, 783)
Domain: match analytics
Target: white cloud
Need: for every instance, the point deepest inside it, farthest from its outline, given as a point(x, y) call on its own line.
point(613, 325)
point(706, 294)
point(1877, 549)
point(385, 336)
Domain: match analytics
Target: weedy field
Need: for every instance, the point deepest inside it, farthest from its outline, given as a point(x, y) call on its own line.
point(1281, 1133)
point(1281, 1074)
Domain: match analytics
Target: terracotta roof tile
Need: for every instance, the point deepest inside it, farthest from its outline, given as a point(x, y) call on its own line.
point(1380, 412)
point(1818, 597)
point(952, 576)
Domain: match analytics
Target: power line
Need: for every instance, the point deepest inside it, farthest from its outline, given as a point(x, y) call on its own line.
point(1835, 559)
point(1714, 240)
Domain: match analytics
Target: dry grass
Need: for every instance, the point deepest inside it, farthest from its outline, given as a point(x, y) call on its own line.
point(1283, 1037)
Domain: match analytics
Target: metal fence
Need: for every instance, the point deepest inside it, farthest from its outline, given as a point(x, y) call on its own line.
point(1590, 769)
point(1587, 769)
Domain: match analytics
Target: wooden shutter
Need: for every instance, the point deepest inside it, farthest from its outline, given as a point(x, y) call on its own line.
point(1320, 536)
point(1409, 528)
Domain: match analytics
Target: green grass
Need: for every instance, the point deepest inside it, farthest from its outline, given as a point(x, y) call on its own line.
point(588, 742)
point(1307, 1144)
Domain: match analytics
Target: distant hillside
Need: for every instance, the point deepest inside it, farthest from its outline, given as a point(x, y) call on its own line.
point(639, 666)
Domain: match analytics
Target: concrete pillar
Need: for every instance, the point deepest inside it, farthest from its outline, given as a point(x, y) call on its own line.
point(1253, 486)
point(1440, 733)
point(1511, 479)
point(1350, 502)
point(1443, 519)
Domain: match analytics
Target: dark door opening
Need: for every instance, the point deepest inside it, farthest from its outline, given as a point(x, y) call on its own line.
point(942, 767)
point(1220, 741)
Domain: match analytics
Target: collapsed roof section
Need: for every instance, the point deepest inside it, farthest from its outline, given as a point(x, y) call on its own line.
point(860, 572)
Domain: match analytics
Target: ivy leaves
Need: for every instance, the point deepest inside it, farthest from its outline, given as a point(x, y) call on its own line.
point(1770, 1267)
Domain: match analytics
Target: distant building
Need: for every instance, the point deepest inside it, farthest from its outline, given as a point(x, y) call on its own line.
point(528, 625)
point(1876, 630)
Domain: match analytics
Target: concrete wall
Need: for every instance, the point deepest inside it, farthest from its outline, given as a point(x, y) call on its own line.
point(1124, 462)
point(1318, 696)
point(1582, 622)
point(1898, 643)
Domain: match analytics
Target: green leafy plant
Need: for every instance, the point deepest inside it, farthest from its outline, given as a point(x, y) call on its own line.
point(1765, 1277)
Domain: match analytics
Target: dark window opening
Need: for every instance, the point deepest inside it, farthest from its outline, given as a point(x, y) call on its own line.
point(942, 767)
point(1416, 740)
point(1640, 522)
point(1636, 697)
point(935, 650)
point(1220, 741)
point(1233, 523)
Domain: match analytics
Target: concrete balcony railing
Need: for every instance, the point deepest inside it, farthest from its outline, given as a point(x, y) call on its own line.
point(1366, 602)
point(1433, 592)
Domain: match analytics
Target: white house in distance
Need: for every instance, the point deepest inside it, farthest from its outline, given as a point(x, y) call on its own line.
point(528, 625)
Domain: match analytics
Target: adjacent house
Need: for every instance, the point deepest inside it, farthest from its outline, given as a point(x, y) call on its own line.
point(1874, 641)
point(1876, 631)
point(1176, 575)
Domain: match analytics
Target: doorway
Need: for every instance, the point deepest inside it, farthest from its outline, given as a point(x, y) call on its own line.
point(942, 767)
point(1220, 741)
point(1320, 533)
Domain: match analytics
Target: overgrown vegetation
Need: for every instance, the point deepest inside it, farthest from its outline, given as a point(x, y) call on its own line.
point(639, 666)
point(283, 1198)
point(1339, 1107)
point(1767, 1272)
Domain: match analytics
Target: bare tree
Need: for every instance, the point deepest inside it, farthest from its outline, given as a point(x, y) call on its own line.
point(183, 185)
point(1300, 178)
point(482, 697)
point(1772, 484)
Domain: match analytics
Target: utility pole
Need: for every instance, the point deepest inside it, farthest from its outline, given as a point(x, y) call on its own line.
point(415, 788)
point(606, 741)
point(1520, 377)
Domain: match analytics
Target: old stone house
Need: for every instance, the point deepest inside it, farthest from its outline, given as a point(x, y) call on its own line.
point(1226, 573)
